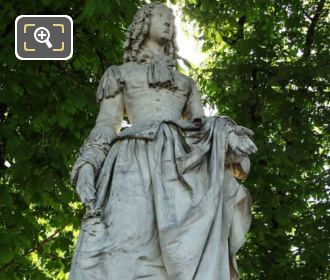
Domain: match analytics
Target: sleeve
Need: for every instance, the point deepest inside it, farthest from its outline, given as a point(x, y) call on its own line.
point(108, 123)
point(194, 107)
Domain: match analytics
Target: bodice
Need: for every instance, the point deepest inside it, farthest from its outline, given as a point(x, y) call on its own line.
point(144, 103)
point(145, 92)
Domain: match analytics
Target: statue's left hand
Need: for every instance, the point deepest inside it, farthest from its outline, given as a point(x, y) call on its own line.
point(86, 189)
point(240, 143)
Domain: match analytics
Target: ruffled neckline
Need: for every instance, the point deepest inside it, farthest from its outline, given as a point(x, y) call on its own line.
point(161, 69)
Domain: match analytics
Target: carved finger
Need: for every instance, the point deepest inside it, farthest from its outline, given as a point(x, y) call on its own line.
point(238, 152)
point(255, 148)
point(248, 146)
point(241, 130)
point(83, 196)
point(247, 140)
point(86, 192)
point(248, 131)
point(243, 150)
point(250, 150)
point(238, 130)
point(252, 146)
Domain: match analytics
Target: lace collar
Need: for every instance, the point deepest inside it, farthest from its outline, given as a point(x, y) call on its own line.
point(160, 69)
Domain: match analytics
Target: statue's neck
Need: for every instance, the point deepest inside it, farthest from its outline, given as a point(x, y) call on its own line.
point(154, 47)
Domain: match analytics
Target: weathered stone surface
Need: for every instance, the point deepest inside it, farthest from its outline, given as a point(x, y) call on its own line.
point(161, 197)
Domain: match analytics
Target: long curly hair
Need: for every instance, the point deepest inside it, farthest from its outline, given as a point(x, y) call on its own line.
point(138, 31)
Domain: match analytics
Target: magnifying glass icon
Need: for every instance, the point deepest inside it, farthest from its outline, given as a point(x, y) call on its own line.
point(41, 35)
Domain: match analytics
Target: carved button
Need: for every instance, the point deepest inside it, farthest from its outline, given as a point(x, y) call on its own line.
point(158, 99)
point(157, 109)
point(151, 133)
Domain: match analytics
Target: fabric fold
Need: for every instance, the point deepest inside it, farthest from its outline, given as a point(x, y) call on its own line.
point(160, 72)
point(110, 84)
point(93, 151)
point(171, 209)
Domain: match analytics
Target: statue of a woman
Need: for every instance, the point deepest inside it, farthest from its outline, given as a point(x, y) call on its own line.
point(161, 196)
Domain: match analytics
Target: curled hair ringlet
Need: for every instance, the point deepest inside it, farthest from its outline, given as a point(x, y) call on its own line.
point(138, 31)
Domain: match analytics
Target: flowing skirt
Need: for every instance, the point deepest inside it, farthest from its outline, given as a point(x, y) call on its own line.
point(171, 210)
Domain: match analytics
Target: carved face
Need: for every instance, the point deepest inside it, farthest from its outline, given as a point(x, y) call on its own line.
point(161, 25)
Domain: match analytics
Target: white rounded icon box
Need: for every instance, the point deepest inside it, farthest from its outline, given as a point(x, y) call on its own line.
point(43, 37)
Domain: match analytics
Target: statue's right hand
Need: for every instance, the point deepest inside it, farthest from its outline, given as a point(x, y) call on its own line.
point(85, 184)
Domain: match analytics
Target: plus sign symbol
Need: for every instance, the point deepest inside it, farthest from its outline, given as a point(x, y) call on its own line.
point(41, 35)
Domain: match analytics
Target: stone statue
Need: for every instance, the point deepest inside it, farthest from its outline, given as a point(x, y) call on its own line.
point(162, 201)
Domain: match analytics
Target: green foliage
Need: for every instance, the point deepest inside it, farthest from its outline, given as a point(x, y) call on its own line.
point(269, 70)
point(47, 108)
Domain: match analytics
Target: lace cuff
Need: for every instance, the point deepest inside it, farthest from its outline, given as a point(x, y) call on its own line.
point(240, 165)
point(93, 151)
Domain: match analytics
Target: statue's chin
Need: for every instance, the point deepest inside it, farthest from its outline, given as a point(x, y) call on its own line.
point(164, 40)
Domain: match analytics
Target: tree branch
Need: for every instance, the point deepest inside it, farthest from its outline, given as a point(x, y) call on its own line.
point(254, 106)
point(2, 155)
point(239, 33)
point(311, 29)
point(36, 248)
point(307, 15)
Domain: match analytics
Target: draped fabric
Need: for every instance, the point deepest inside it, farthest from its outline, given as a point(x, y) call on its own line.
point(160, 73)
point(171, 207)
